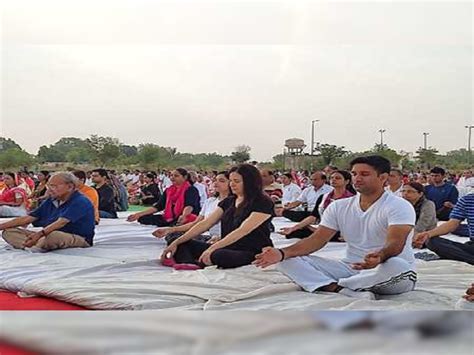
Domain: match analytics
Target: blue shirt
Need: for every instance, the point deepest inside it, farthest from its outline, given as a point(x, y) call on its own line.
point(78, 210)
point(464, 210)
point(441, 194)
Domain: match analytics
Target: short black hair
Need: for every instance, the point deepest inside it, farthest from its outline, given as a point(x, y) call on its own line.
point(81, 175)
point(288, 175)
point(438, 170)
point(379, 163)
point(101, 172)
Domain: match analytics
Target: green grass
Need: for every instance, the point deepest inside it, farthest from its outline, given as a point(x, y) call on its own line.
point(136, 208)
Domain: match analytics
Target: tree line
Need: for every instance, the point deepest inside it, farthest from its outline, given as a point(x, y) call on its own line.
point(111, 153)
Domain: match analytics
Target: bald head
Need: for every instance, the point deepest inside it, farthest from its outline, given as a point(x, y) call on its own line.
point(318, 179)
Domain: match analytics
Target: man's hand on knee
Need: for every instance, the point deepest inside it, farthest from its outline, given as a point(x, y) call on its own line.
point(32, 239)
point(371, 260)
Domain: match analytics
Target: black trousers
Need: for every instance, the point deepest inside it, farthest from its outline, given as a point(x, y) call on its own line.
point(190, 252)
point(306, 232)
point(296, 216)
point(443, 214)
point(154, 220)
point(173, 236)
point(447, 249)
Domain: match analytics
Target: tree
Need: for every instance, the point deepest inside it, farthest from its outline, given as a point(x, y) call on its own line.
point(59, 151)
point(105, 149)
point(330, 152)
point(79, 156)
point(51, 154)
point(457, 159)
point(241, 154)
point(128, 150)
point(152, 155)
point(388, 153)
point(15, 158)
point(7, 144)
point(427, 157)
point(278, 162)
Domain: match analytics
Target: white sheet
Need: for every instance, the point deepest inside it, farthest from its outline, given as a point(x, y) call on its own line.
point(121, 272)
point(174, 332)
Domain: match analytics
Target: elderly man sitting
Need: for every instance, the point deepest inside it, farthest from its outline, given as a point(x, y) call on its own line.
point(66, 218)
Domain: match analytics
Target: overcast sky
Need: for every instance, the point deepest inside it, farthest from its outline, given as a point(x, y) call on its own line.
point(206, 76)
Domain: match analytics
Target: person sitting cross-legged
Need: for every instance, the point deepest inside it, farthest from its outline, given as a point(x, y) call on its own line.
point(377, 227)
point(341, 182)
point(13, 199)
point(308, 196)
point(106, 194)
point(180, 204)
point(66, 217)
point(88, 191)
point(449, 249)
point(444, 195)
point(245, 220)
point(222, 191)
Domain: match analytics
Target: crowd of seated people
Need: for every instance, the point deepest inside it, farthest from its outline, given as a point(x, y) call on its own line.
point(341, 182)
point(225, 218)
point(245, 218)
point(180, 203)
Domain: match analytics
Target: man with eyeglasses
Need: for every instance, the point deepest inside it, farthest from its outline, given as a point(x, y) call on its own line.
point(66, 218)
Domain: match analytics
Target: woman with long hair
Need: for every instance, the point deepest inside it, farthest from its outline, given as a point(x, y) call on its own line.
point(150, 192)
point(341, 181)
point(41, 190)
point(180, 203)
point(245, 220)
point(13, 199)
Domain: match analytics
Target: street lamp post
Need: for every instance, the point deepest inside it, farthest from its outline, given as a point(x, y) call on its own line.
point(382, 131)
point(425, 140)
point(469, 128)
point(312, 135)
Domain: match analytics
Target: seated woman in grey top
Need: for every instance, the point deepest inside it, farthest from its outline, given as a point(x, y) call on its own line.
point(425, 209)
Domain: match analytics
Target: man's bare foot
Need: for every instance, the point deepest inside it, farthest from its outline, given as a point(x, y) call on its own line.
point(469, 296)
point(333, 287)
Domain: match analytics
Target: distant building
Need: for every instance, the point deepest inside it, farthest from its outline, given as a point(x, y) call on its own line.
point(294, 157)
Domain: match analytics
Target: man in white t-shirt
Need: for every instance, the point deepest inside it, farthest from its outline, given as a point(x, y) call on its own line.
point(378, 229)
point(309, 196)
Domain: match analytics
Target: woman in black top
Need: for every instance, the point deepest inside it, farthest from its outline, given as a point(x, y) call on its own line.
point(150, 193)
point(245, 220)
point(41, 189)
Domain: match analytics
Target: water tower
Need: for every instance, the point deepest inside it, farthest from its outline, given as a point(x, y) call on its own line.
point(295, 146)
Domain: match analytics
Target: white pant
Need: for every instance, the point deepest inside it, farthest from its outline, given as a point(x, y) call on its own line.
point(394, 276)
point(11, 211)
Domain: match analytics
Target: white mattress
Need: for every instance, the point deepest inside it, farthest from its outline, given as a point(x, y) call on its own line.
point(121, 272)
